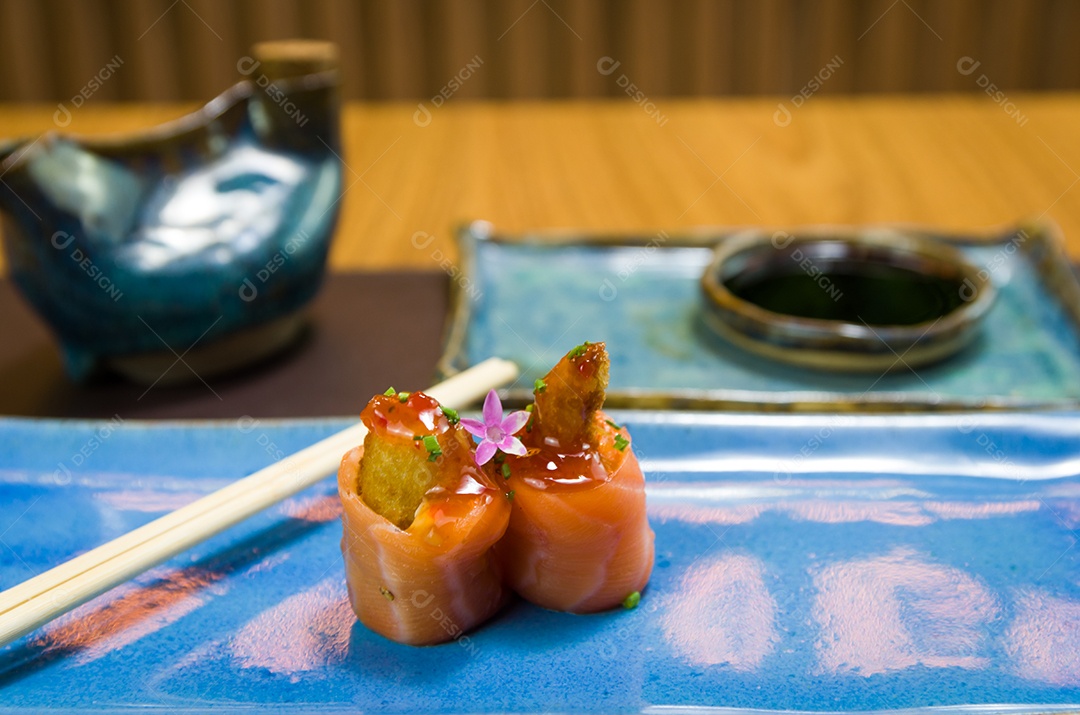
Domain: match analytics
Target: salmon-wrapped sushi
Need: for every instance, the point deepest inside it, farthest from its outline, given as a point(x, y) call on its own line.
point(579, 538)
point(420, 520)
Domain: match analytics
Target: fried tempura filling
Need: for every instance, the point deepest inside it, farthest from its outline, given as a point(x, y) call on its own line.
point(394, 478)
point(411, 447)
point(568, 398)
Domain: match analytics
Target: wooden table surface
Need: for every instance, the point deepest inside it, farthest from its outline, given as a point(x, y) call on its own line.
point(956, 162)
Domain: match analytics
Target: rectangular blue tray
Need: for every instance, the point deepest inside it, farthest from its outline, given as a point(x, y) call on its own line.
point(804, 562)
point(531, 297)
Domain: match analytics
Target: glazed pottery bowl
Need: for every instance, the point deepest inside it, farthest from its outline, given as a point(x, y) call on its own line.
point(847, 303)
point(205, 237)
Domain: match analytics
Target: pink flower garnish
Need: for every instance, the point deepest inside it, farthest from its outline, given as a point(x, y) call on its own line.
point(496, 432)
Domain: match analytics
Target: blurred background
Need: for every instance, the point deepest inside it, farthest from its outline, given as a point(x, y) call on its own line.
point(955, 114)
point(409, 49)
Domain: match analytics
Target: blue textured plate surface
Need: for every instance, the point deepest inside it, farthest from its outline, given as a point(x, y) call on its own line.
point(642, 295)
point(812, 563)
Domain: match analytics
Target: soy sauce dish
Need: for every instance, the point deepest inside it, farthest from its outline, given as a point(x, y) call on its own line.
point(846, 303)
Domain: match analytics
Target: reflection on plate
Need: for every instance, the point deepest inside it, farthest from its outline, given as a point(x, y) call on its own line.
point(642, 295)
point(804, 562)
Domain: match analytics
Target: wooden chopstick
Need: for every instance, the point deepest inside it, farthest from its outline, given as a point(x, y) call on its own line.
point(42, 598)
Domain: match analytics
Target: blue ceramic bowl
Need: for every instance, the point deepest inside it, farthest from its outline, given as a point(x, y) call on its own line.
point(208, 234)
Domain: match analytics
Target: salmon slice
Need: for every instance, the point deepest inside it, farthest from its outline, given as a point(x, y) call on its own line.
point(579, 539)
point(429, 576)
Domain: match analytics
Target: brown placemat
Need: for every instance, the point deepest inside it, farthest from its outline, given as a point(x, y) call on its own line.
point(367, 331)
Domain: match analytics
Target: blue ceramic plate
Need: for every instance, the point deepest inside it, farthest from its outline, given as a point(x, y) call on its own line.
point(642, 295)
point(812, 563)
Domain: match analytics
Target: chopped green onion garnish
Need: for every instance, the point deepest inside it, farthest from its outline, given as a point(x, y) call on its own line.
point(621, 442)
point(417, 437)
point(403, 396)
point(451, 414)
point(510, 495)
point(578, 351)
point(539, 385)
point(505, 469)
point(432, 446)
point(613, 424)
point(390, 392)
point(386, 593)
point(632, 600)
point(529, 407)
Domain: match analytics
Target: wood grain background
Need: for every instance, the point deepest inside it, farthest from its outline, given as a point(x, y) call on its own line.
point(409, 49)
point(956, 162)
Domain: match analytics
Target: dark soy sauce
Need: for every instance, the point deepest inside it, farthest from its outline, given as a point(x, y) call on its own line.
point(851, 292)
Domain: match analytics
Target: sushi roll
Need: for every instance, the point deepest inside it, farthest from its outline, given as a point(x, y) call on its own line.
point(420, 521)
point(579, 538)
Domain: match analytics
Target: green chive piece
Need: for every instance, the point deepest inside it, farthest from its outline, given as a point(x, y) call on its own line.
point(387, 594)
point(578, 351)
point(417, 437)
point(613, 424)
point(432, 446)
point(632, 600)
point(403, 396)
point(505, 470)
point(529, 407)
point(390, 392)
point(510, 495)
point(539, 385)
point(621, 442)
point(451, 415)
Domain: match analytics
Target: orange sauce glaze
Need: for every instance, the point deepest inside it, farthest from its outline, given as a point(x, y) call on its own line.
point(388, 417)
